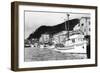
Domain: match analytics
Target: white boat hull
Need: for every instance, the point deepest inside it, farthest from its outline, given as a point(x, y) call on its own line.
point(79, 47)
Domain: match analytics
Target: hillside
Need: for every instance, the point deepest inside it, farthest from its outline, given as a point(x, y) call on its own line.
point(53, 29)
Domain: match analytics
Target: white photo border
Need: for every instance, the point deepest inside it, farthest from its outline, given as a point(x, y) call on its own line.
point(33, 64)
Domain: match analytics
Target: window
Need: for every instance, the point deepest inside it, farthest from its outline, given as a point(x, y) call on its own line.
point(82, 24)
point(73, 40)
point(89, 22)
point(89, 29)
point(85, 30)
point(83, 47)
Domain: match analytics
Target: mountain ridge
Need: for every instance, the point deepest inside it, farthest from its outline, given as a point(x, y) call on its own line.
point(53, 29)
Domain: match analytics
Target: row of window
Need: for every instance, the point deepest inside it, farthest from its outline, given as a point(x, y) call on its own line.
point(83, 24)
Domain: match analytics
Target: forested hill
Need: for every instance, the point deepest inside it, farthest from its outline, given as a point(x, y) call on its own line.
point(53, 29)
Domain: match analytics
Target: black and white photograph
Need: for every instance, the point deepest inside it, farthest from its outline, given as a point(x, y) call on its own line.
point(56, 36)
point(51, 36)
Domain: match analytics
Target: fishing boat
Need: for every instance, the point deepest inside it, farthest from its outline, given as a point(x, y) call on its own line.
point(74, 41)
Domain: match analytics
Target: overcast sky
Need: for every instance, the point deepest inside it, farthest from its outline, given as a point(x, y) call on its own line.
point(33, 20)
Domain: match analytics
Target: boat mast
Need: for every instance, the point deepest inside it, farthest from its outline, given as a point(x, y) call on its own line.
point(65, 26)
point(68, 26)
